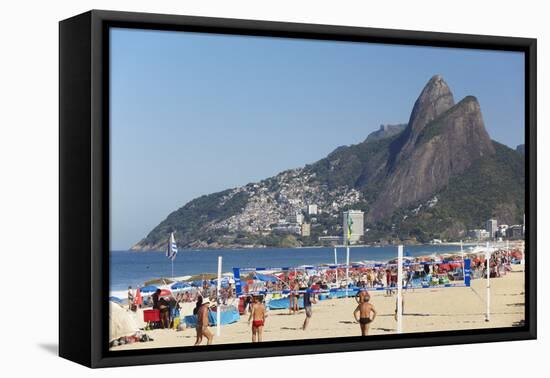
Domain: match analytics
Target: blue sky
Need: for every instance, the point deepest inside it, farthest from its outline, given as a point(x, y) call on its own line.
point(193, 114)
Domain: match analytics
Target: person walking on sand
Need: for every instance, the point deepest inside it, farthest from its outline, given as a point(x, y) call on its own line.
point(309, 298)
point(293, 297)
point(257, 315)
point(364, 314)
point(198, 305)
point(202, 324)
point(130, 297)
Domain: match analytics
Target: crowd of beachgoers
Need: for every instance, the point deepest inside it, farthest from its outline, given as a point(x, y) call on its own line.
point(300, 288)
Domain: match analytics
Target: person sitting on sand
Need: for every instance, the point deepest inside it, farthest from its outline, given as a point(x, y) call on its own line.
point(202, 324)
point(257, 315)
point(364, 314)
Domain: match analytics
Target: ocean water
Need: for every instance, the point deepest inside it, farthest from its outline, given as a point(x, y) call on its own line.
point(134, 268)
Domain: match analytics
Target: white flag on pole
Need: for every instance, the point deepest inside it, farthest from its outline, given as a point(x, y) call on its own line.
point(172, 249)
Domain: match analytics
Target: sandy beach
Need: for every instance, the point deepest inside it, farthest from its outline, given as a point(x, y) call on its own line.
point(425, 310)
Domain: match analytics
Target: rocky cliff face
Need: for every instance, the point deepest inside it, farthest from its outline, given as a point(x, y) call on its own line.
point(434, 100)
point(441, 140)
point(439, 174)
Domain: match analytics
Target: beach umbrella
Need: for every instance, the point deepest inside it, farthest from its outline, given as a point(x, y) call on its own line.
point(121, 322)
point(180, 285)
point(148, 289)
point(165, 293)
point(197, 283)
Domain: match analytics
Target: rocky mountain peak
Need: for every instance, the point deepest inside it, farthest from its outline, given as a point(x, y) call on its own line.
point(443, 140)
point(442, 161)
point(434, 100)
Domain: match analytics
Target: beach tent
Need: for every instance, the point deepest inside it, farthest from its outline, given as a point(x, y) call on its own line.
point(121, 322)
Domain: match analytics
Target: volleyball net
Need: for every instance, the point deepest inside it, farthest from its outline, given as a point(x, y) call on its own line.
point(456, 273)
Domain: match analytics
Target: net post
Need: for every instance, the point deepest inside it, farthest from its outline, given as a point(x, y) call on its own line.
point(347, 269)
point(488, 280)
point(218, 309)
point(399, 289)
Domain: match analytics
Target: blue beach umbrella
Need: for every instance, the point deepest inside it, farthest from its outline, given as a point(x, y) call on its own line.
point(179, 285)
point(148, 289)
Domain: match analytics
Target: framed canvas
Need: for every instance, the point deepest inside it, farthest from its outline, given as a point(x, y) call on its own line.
point(235, 188)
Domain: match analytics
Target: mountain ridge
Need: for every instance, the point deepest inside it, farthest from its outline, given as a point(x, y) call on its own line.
point(391, 173)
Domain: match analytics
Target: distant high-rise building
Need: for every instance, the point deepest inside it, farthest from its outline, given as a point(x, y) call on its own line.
point(312, 209)
point(492, 227)
point(353, 226)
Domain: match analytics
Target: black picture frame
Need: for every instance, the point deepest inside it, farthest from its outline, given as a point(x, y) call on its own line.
point(84, 186)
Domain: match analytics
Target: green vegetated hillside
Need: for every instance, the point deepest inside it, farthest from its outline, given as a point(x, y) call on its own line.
point(435, 177)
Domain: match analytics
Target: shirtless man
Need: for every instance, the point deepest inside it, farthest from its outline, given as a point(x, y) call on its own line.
point(364, 314)
point(202, 324)
point(257, 315)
